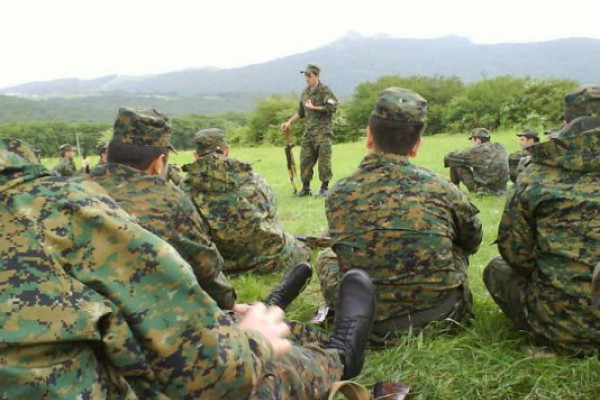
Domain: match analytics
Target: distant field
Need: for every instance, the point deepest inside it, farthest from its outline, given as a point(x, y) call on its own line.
point(488, 360)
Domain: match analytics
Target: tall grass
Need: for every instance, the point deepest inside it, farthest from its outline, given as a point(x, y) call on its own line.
point(488, 360)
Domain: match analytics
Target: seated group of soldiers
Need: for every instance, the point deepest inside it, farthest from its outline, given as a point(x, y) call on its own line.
point(114, 283)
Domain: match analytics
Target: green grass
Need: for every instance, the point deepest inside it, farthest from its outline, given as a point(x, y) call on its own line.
point(488, 360)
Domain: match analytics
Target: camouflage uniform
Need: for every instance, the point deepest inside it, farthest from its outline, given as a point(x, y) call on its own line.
point(409, 229)
point(482, 168)
point(240, 210)
point(174, 174)
point(318, 131)
point(514, 159)
point(66, 166)
point(93, 306)
point(549, 240)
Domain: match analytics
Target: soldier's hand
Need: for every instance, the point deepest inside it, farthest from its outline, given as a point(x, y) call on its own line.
point(269, 322)
point(285, 126)
point(241, 308)
point(309, 104)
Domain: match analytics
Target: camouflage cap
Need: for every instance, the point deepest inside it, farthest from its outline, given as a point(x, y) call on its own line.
point(582, 102)
point(312, 68)
point(480, 133)
point(211, 139)
point(401, 105)
point(529, 133)
point(101, 147)
point(65, 147)
point(142, 127)
point(14, 153)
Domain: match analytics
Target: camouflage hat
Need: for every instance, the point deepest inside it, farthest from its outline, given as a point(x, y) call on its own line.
point(582, 102)
point(208, 140)
point(142, 127)
point(480, 133)
point(65, 147)
point(401, 105)
point(101, 147)
point(311, 68)
point(14, 153)
point(529, 133)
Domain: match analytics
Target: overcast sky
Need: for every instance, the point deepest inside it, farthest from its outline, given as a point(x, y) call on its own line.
point(50, 39)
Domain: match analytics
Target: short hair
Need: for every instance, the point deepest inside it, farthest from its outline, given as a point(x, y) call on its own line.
point(138, 157)
point(483, 139)
point(395, 137)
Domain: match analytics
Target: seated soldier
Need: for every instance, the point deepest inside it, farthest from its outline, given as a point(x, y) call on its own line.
point(410, 229)
point(240, 209)
point(482, 168)
point(96, 307)
point(518, 160)
point(549, 235)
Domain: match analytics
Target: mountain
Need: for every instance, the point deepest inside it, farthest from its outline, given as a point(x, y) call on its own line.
point(345, 63)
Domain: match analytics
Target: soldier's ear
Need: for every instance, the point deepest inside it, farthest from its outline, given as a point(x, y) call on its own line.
point(415, 150)
point(369, 144)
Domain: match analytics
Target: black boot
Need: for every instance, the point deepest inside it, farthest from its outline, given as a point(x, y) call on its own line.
point(305, 190)
point(324, 192)
point(293, 283)
point(354, 315)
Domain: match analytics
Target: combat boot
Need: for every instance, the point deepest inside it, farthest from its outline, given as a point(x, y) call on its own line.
point(294, 282)
point(354, 315)
point(305, 190)
point(324, 191)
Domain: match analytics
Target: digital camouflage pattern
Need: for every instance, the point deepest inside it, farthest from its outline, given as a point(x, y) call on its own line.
point(582, 102)
point(400, 105)
point(142, 127)
point(513, 163)
point(168, 212)
point(240, 210)
point(134, 323)
point(316, 142)
point(174, 174)
point(482, 168)
point(549, 235)
point(408, 228)
point(209, 140)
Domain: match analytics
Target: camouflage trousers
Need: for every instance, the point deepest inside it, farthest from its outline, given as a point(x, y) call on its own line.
point(447, 316)
point(315, 148)
point(307, 372)
point(465, 175)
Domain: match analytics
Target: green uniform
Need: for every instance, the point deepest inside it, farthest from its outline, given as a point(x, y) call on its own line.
point(514, 159)
point(65, 167)
point(482, 168)
point(167, 212)
point(94, 306)
point(240, 210)
point(549, 240)
point(412, 232)
point(318, 132)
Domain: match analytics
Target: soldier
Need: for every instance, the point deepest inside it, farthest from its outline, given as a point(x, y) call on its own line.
point(240, 210)
point(174, 174)
point(102, 153)
point(94, 306)
point(549, 235)
point(410, 229)
point(135, 177)
point(66, 165)
point(518, 159)
point(482, 168)
point(317, 105)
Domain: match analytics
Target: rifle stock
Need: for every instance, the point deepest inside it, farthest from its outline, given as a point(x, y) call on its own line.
point(289, 156)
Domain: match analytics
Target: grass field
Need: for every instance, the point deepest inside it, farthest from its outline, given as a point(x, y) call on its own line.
point(488, 360)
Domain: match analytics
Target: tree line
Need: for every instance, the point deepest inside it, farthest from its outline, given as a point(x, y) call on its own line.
point(453, 107)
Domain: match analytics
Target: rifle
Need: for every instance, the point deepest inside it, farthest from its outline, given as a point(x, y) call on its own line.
point(291, 164)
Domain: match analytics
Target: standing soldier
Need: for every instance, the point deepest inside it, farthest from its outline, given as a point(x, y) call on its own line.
point(66, 165)
point(317, 105)
point(518, 159)
point(483, 168)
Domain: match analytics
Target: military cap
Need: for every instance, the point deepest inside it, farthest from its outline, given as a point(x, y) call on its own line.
point(311, 68)
point(65, 147)
point(142, 127)
point(480, 133)
point(529, 134)
point(400, 105)
point(582, 102)
point(101, 147)
point(208, 140)
point(14, 153)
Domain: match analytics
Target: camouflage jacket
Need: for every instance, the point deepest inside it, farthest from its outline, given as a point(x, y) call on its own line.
point(410, 229)
point(550, 233)
point(513, 163)
point(94, 306)
point(240, 210)
point(169, 213)
point(489, 163)
point(317, 123)
point(65, 167)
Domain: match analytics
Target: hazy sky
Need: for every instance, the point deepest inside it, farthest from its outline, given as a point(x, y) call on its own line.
point(50, 39)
